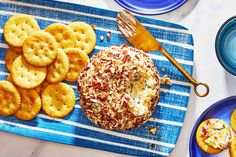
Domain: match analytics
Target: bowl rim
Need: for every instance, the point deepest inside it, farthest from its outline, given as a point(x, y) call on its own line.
point(123, 4)
point(223, 64)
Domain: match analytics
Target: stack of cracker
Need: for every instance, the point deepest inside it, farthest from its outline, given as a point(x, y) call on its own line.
point(38, 61)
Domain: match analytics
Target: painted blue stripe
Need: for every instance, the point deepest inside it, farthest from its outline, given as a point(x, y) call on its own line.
point(164, 67)
point(2, 53)
point(171, 35)
point(142, 132)
point(170, 48)
point(177, 87)
point(173, 99)
point(73, 141)
point(169, 114)
point(3, 77)
point(136, 131)
point(53, 125)
point(161, 133)
point(162, 34)
point(175, 51)
point(71, 83)
point(3, 68)
point(176, 100)
point(98, 11)
point(160, 23)
point(174, 87)
point(139, 132)
point(171, 70)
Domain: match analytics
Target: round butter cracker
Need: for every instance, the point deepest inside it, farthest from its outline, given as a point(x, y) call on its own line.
point(78, 60)
point(10, 98)
point(85, 35)
point(232, 147)
point(39, 48)
point(201, 141)
point(58, 69)
point(10, 57)
point(25, 75)
point(30, 104)
point(63, 35)
point(58, 100)
point(37, 89)
point(233, 120)
point(18, 27)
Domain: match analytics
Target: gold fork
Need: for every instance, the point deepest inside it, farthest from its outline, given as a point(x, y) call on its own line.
point(140, 38)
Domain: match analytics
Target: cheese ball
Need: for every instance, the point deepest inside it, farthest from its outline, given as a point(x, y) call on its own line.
point(119, 88)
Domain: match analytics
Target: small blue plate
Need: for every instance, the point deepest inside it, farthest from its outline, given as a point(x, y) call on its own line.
point(221, 110)
point(151, 7)
point(225, 45)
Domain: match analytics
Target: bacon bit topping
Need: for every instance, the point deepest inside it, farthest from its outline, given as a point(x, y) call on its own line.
point(123, 46)
point(96, 84)
point(204, 131)
point(126, 58)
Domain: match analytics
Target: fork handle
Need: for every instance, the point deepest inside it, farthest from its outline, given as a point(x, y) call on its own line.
point(186, 74)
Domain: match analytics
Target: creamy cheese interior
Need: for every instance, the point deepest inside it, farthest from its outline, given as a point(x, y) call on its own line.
point(142, 91)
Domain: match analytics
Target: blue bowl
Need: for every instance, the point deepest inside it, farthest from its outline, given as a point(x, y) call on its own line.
point(225, 45)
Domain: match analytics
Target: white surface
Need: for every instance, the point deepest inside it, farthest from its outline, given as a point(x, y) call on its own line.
point(203, 18)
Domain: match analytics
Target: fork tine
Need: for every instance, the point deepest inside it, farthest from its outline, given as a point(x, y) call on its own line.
point(135, 33)
point(126, 23)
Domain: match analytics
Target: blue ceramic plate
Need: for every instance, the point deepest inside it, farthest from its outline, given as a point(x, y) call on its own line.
point(225, 45)
point(221, 110)
point(151, 7)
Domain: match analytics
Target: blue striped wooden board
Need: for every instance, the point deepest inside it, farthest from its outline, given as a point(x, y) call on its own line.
point(76, 129)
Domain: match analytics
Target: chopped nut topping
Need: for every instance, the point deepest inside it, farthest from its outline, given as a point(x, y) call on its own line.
point(153, 145)
point(166, 80)
point(109, 35)
point(153, 130)
point(93, 26)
